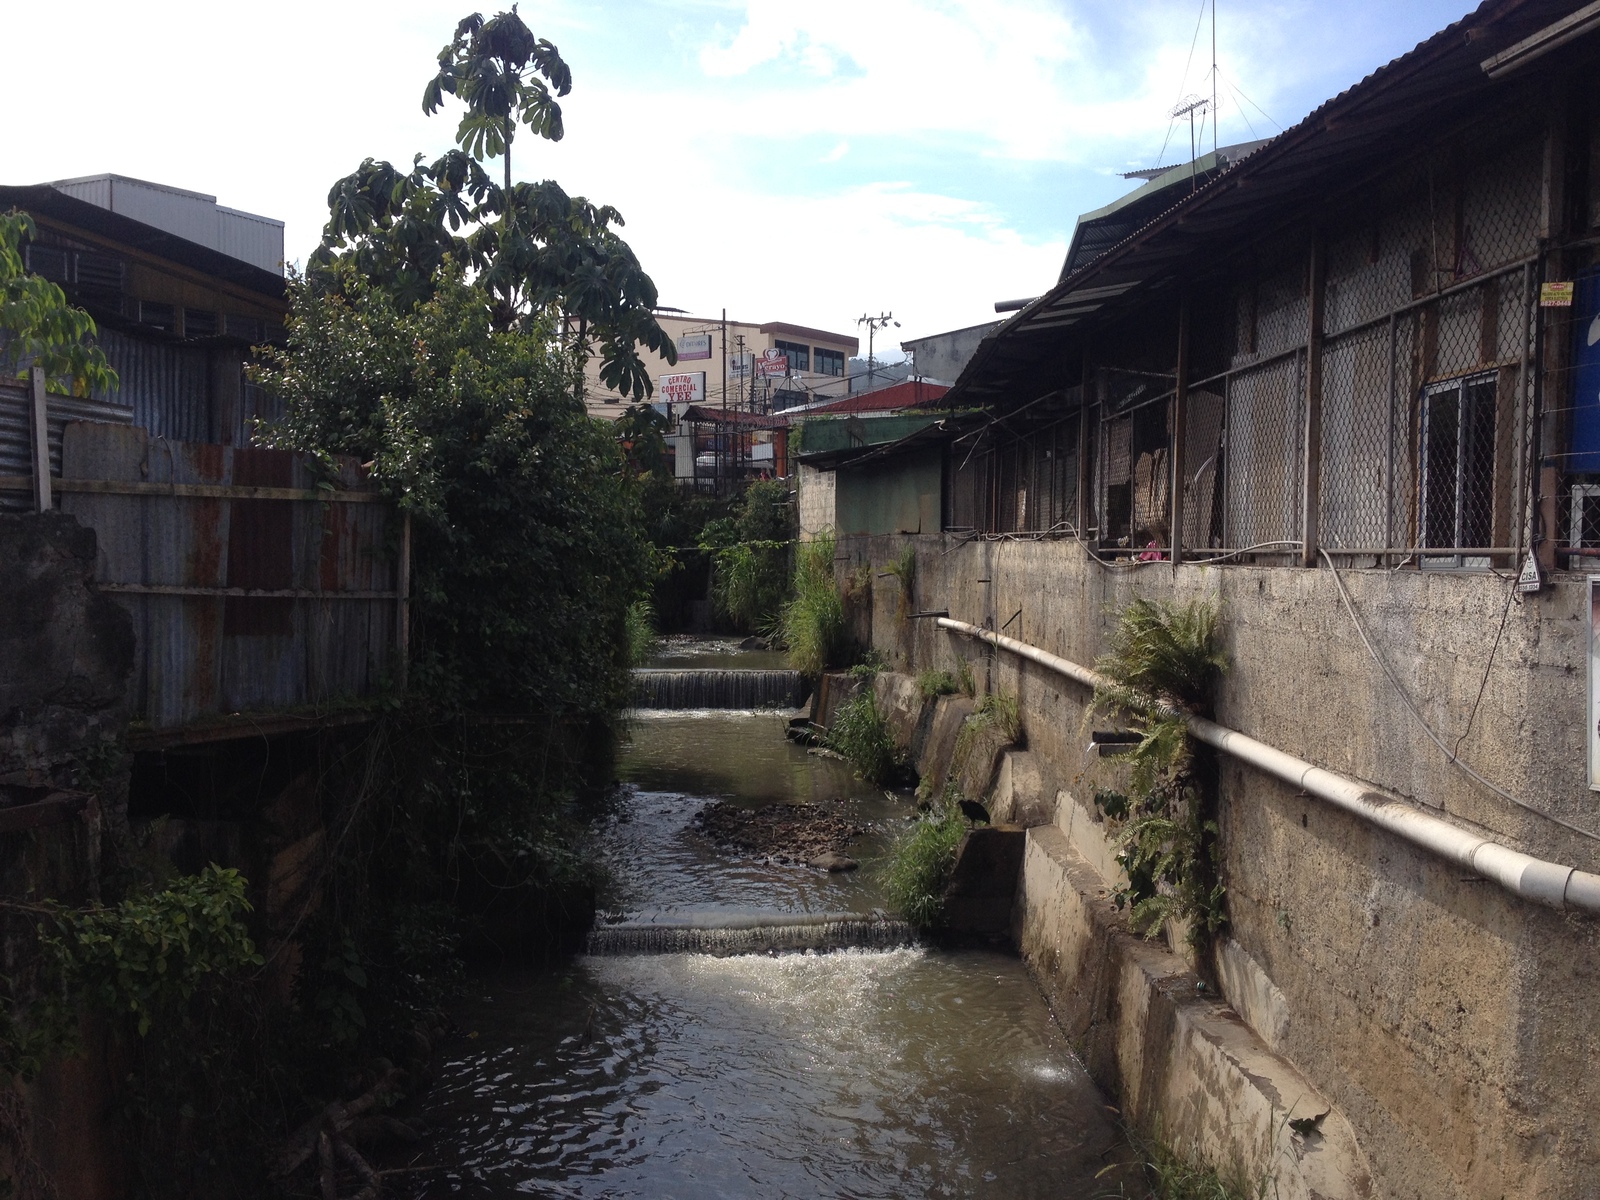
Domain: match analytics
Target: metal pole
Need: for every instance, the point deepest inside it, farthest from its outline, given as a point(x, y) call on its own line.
point(1082, 520)
point(38, 414)
point(1311, 476)
point(1180, 417)
point(1390, 492)
point(1519, 483)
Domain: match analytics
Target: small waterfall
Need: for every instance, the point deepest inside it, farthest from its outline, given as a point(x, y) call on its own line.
point(770, 932)
point(665, 688)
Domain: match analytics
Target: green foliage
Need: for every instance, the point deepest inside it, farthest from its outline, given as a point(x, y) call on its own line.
point(998, 712)
point(534, 253)
point(151, 953)
point(969, 685)
point(904, 569)
point(919, 867)
point(933, 684)
point(1167, 844)
point(37, 325)
point(642, 434)
point(505, 76)
point(1169, 1175)
point(869, 668)
point(862, 736)
point(642, 637)
point(526, 540)
point(812, 622)
point(750, 563)
point(1166, 652)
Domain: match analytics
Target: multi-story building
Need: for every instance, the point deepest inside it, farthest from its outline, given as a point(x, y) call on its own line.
point(751, 367)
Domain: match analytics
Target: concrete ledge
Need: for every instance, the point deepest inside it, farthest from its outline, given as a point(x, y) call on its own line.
point(1178, 1060)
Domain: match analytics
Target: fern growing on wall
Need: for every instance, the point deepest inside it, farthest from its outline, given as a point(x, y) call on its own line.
point(1165, 660)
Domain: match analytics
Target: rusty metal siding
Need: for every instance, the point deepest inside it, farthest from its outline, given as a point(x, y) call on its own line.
point(16, 458)
point(167, 386)
point(192, 660)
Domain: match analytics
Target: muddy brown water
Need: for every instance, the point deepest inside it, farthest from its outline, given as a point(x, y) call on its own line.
point(856, 1073)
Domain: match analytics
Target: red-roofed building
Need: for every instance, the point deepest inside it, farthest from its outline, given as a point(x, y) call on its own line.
point(909, 393)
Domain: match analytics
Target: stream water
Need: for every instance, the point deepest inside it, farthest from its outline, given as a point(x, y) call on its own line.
point(857, 1073)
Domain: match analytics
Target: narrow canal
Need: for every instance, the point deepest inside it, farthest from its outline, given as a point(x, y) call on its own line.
point(908, 1071)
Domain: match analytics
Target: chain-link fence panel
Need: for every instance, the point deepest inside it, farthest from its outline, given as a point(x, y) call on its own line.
point(1204, 415)
point(1262, 454)
point(1358, 411)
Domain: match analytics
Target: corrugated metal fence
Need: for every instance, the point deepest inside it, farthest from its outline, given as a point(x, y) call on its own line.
point(252, 584)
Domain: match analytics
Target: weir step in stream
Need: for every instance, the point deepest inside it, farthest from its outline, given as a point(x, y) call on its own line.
point(754, 934)
point(670, 688)
point(747, 1027)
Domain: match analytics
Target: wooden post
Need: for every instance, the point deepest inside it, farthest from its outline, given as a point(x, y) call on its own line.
point(1311, 473)
point(1180, 409)
point(38, 419)
point(403, 603)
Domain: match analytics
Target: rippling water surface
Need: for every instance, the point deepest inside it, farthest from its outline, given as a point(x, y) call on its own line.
point(862, 1074)
point(900, 1073)
point(676, 762)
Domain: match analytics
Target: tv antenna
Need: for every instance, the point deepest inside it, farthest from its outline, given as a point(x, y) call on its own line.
point(1191, 107)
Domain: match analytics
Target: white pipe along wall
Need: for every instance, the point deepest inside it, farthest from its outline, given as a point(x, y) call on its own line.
point(1531, 878)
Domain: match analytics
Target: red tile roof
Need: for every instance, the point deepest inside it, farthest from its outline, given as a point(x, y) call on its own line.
point(909, 393)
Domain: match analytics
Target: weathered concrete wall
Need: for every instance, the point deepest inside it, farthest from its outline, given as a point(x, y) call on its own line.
point(66, 651)
point(816, 500)
point(1452, 1024)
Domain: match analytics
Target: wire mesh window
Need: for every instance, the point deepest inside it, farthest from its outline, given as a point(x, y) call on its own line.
point(1457, 463)
point(1011, 483)
point(1428, 356)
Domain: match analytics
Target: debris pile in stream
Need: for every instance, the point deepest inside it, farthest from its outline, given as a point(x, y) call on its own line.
point(784, 833)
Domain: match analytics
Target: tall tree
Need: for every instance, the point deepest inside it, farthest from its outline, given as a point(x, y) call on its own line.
point(534, 251)
point(504, 75)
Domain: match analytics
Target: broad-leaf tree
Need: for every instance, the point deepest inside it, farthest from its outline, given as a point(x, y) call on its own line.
point(535, 252)
point(37, 325)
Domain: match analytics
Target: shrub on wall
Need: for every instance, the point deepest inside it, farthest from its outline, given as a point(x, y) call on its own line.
point(1164, 661)
point(812, 622)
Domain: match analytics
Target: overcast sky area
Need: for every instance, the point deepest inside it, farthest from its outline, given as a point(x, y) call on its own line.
point(803, 162)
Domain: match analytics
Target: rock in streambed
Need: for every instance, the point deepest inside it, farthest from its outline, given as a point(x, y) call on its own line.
point(784, 833)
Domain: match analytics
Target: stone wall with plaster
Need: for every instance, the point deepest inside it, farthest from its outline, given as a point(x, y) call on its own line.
point(1450, 1023)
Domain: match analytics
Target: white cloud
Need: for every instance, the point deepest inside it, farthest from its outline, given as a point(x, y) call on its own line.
point(708, 122)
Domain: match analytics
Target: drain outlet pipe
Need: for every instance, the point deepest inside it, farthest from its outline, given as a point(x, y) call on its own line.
point(1531, 878)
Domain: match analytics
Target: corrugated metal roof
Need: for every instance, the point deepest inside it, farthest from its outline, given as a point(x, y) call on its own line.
point(193, 216)
point(1399, 105)
point(908, 393)
point(45, 200)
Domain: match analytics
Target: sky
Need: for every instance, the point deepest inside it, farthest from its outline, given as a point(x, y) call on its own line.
point(810, 162)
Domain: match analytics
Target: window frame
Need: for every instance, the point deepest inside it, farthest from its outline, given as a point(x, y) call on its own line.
point(1477, 397)
point(794, 351)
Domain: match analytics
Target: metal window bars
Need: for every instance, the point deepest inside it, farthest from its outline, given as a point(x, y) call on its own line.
point(1427, 349)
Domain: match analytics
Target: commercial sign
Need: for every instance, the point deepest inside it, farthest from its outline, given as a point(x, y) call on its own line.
point(740, 365)
point(1555, 295)
point(694, 345)
point(773, 363)
point(686, 388)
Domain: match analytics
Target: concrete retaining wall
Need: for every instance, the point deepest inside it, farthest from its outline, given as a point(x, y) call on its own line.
point(1452, 1025)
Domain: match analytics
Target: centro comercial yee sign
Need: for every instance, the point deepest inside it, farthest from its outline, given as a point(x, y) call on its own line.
point(686, 388)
